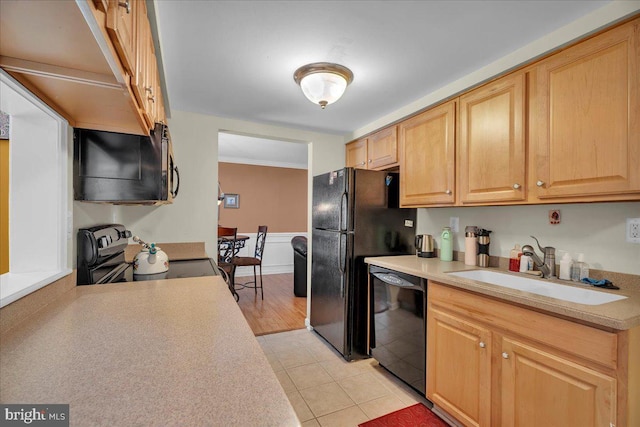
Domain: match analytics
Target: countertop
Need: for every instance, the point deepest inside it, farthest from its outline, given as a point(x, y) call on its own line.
point(618, 315)
point(169, 352)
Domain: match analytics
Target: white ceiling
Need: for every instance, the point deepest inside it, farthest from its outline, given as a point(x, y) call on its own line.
point(236, 58)
point(243, 149)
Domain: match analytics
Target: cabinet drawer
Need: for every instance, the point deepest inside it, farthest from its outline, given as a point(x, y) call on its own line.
point(579, 340)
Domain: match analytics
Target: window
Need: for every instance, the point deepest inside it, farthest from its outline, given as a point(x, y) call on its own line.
point(38, 193)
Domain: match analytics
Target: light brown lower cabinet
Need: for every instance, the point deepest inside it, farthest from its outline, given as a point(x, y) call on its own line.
point(491, 363)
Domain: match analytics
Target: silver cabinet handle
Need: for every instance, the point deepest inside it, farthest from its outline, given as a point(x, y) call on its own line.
point(540, 183)
point(370, 160)
point(362, 163)
point(482, 344)
point(447, 192)
point(126, 5)
point(505, 355)
point(516, 186)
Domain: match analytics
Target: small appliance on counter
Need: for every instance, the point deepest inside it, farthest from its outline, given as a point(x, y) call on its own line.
point(150, 260)
point(425, 248)
point(101, 259)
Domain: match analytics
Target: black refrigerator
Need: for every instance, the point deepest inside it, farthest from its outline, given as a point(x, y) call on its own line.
point(355, 215)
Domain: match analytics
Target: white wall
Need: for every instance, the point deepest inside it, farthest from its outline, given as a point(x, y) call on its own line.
point(595, 229)
point(590, 23)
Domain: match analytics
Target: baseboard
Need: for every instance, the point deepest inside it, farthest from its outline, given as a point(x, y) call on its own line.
point(266, 270)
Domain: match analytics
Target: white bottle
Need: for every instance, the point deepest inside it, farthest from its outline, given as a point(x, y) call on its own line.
point(525, 263)
point(565, 266)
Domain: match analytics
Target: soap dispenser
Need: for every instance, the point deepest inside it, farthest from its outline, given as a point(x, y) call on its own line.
point(565, 266)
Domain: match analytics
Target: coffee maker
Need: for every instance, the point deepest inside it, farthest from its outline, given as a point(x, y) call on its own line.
point(425, 247)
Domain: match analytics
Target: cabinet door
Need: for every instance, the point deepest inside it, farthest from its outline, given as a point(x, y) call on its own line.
point(542, 389)
point(459, 367)
point(151, 85)
point(491, 156)
point(586, 126)
point(382, 148)
point(143, 35)
point(121, 22)
point(427, 157)
point(356, 154)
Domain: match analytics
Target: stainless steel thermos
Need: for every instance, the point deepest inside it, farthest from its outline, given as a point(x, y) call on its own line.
point(483, 247)
point(470, 245)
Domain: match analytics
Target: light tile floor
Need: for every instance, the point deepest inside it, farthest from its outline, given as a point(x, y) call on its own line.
point(324, 389)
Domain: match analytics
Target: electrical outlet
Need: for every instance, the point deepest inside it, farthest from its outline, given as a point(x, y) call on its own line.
point(454, 223)
point(633, 230)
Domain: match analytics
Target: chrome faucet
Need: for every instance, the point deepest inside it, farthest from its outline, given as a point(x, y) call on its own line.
point(548, 266)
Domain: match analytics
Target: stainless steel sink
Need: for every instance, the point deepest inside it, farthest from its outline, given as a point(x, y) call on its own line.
point(540, 287)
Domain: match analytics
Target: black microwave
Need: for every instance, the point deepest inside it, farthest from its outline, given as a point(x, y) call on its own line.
point(119, 168)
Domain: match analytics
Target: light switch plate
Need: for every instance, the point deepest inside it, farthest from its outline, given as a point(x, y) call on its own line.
point(633, 230)
point(454, 223)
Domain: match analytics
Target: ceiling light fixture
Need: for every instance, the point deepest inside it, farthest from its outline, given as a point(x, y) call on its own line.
point(323, 83)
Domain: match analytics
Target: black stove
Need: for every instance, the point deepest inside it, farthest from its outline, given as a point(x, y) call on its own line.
point(101, 259)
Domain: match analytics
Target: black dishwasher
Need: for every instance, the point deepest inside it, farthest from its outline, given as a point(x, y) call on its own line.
point(397, 327)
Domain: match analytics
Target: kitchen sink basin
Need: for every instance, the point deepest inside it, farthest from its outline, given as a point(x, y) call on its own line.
point(540, 287)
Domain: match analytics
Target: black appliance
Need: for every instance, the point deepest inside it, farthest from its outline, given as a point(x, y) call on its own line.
point(355, 215)
point(101, 259)
point(124, 168)
point(398, 325)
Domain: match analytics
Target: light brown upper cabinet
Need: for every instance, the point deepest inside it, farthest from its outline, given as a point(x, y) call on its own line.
point(356, 154)
point(585, 129)
point(90, 61)
point(382, 148)
point(491, 144)
point(377, 151)
point(121, 24)
point(427, 157)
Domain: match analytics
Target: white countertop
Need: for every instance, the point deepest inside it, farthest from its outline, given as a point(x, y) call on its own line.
point(167, 353)
point(618, 315)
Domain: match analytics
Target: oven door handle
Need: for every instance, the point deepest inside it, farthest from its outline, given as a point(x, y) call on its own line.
point(107, 278)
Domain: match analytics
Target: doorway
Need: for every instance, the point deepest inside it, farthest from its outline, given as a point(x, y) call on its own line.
point(265, 182)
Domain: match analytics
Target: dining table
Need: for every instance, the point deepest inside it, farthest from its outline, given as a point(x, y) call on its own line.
point(224, 245)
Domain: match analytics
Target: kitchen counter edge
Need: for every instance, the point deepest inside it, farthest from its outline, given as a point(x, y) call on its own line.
point(618, 315)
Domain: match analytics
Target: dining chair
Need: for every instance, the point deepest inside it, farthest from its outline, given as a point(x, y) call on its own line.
point(254, 261)
point(226, 254)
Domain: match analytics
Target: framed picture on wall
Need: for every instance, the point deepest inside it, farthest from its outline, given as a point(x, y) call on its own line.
point(231, 201)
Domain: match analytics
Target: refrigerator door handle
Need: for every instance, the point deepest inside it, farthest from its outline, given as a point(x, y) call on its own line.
point(343, 201)
point(342, 264)
point(342, 261)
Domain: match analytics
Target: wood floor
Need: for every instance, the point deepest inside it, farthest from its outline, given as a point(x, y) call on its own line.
point(280, 310)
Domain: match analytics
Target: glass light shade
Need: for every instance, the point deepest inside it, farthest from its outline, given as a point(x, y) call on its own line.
point(323, 83)
point(323, 88)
